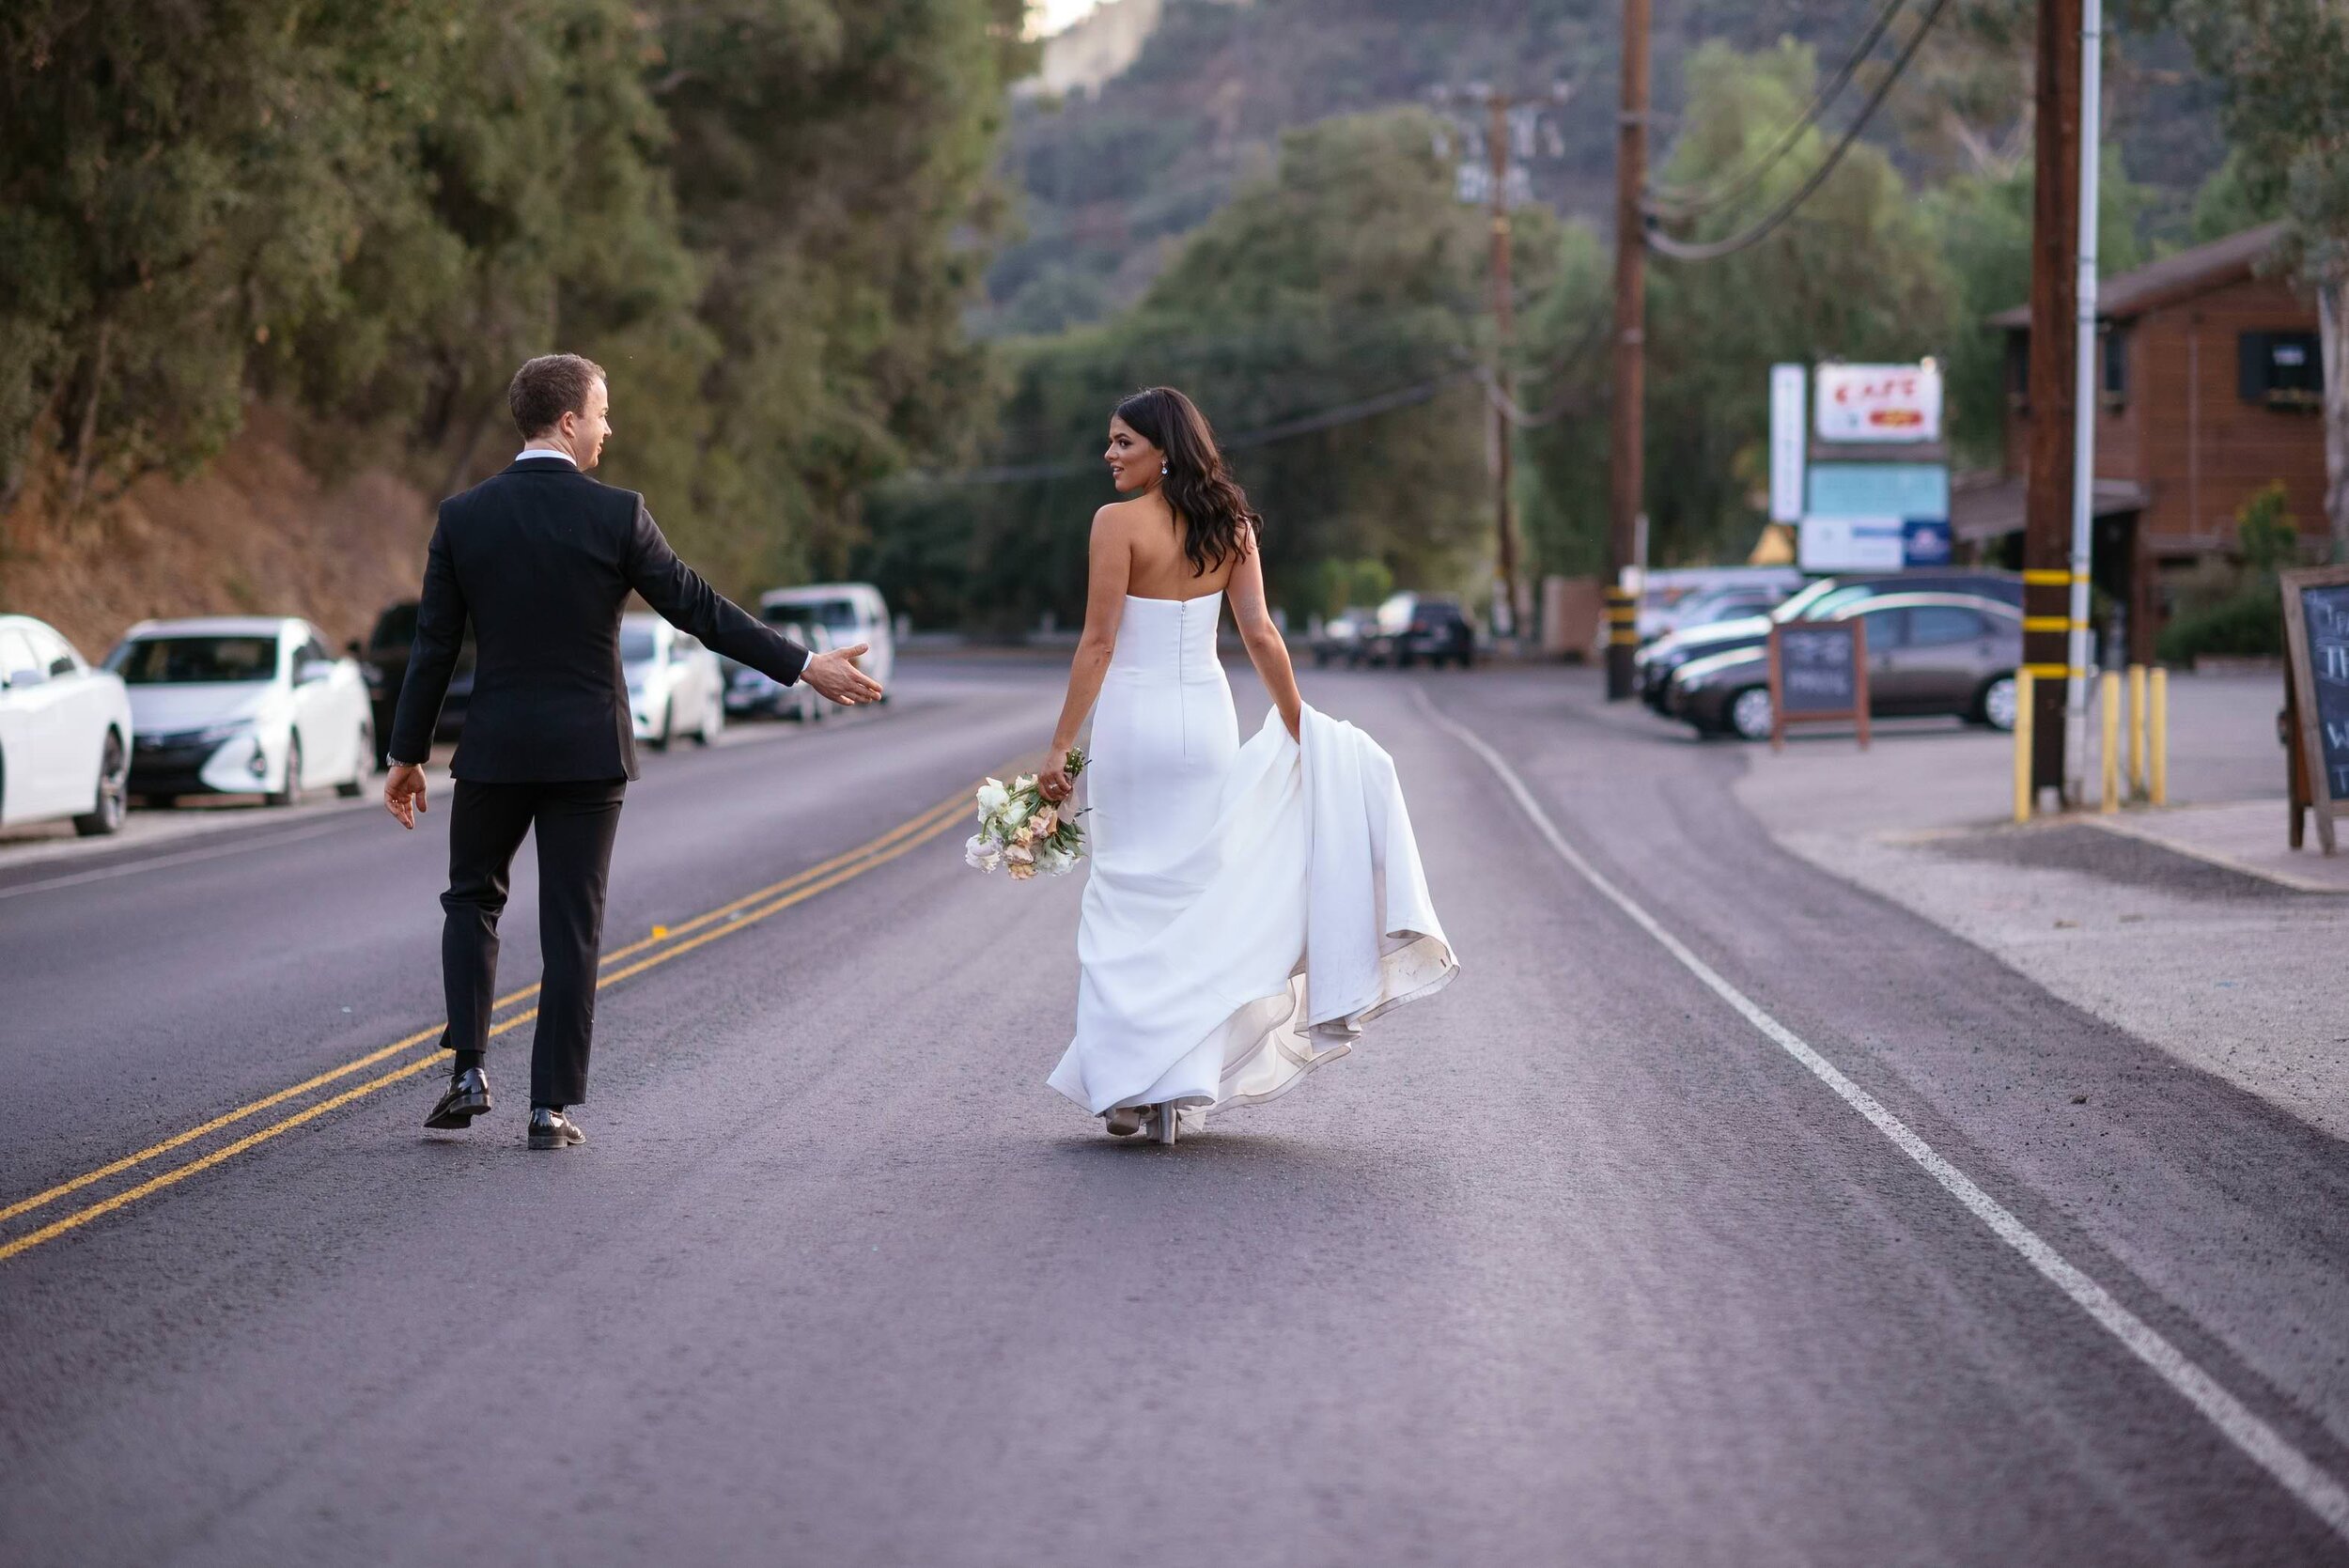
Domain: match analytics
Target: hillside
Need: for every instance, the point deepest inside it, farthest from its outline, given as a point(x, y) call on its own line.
point(257, 533)
point(1110, 176)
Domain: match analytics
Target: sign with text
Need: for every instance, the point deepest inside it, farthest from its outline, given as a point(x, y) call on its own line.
point(2316, 694)
point(1788, 440)
point(1879, 402)
point(1850, 544)
point(1818, 675)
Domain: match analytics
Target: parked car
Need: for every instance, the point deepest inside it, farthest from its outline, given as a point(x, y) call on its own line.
point(1672, 596)
point(849, 613)
point(675, 686)
point(1928, 653)
point(243, 704)
point(751, 692)
point(1438, 631)
point(1343, 638)
point(384, 659)
point(1712, 606)
point(66, 732)
point(1409, 627)
point(1653, 665)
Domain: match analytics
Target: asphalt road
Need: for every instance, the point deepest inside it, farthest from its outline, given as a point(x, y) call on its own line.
point(1599, 1257)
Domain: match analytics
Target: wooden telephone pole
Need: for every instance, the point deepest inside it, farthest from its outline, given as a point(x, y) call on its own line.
point(1504, 327)
point(2054, 339)
point(1627, 475)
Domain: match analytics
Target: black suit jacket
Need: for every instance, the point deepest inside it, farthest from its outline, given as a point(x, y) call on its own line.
point(541, 559)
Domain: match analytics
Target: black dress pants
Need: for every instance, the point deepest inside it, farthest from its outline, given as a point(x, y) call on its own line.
point(576, 822)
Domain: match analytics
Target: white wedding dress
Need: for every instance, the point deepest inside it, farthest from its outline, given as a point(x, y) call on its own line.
point(1248, 908)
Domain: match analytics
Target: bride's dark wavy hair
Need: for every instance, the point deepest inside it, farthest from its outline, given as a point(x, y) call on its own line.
point(1213, 508)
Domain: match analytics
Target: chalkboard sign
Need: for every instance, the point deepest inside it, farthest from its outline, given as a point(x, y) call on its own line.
point(2316, 694)
point(1818, 673)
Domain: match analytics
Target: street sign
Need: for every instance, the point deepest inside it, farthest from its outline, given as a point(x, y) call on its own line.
point(2316, 695)
point(1899, 490)
point(1879, 402)
point(1818, 675)
point(1850, 544)
point(1925, 542)
point(1787, 443)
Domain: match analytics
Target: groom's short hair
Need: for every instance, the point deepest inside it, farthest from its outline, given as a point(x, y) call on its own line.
point(549, 387)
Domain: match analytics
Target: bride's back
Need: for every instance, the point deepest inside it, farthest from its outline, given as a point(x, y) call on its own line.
point(1156, 566)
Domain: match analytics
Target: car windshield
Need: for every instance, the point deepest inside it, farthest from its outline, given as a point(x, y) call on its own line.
point(832, 615)
point(637, 644)
point(195, 660)
point(1798, 607)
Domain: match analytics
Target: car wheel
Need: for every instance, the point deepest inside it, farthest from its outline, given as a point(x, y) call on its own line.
point(1997, 703)
point(290, 795)
point(1749, 713)
point(105, 813)
point(668, 727)
point(356, 785)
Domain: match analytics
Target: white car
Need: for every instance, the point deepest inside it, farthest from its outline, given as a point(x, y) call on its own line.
point(750, 691)
point(849, 613)
point(243, 704)
point(65, 732)
point(675, 686)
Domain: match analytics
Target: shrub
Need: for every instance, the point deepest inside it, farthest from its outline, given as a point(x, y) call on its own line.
point(2249, 623)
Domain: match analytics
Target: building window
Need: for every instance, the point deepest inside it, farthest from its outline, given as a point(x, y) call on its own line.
point(2116, 365)
point(2283, 370)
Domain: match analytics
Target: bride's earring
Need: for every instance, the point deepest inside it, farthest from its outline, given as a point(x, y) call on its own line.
point(1161, 471)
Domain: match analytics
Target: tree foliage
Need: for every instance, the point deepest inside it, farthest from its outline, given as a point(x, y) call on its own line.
point(1349, 271)
point(760, 216)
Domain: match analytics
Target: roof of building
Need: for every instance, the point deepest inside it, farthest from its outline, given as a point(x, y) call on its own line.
point(2174, 277)
point(1985, 506)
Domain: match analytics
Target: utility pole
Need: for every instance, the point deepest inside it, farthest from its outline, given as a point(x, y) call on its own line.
point(1626, 473)
point(2048, 567)
point(1505, 326)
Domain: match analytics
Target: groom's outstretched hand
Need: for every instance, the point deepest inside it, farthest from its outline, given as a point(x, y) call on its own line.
point(834, 675)
point(403, 792)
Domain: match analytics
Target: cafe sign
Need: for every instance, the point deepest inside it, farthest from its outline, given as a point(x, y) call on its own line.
point(1879, 402)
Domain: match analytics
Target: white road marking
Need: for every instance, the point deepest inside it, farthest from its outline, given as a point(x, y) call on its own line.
point(2267, 1447)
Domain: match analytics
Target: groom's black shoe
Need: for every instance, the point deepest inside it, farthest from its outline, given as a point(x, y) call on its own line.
point(468, 1097)
point(551, 1129)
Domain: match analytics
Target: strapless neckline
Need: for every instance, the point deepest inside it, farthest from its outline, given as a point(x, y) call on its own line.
point(1195, 599)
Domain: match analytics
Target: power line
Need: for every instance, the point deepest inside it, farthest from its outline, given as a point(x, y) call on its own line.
point(1683, 250)
point(1573, 402)
point(1686, 204)
point(1323, 419)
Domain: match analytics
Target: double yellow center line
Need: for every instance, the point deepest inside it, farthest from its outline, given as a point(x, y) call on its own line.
point(666, 942)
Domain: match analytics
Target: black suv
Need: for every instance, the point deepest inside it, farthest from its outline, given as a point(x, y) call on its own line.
point(1436, 631)
point(385, 660)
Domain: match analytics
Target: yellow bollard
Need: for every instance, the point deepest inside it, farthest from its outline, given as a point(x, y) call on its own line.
point(2137, 732)
point(2109, 698)
point(2159, 762)
point(2024, 701)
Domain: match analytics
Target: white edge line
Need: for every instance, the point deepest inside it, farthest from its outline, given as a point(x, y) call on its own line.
point(2267, 1447)
point(184, 856)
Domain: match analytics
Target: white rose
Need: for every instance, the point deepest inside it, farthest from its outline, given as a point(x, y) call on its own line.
point(980, 854)
point(993, 798)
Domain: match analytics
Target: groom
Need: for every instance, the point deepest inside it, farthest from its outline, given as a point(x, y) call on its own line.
point(540, 559)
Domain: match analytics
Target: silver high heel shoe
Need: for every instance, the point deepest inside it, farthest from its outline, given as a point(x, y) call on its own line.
point(1166, 1121)
point(1124, 1121)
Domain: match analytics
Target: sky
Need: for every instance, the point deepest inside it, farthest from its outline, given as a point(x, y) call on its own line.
point(1051, 16)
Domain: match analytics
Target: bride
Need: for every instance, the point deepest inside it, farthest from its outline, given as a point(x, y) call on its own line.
point(1249, 907)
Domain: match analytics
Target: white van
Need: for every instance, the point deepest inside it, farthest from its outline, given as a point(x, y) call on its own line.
point(849, 613)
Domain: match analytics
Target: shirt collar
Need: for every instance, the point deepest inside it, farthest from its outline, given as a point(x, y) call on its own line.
point(528, 453)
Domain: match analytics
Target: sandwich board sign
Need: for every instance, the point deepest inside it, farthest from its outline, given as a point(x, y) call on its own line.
point(2316, 695)
point(1818, 675)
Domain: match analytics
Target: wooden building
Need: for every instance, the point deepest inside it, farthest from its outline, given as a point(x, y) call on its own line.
point(2211, 390)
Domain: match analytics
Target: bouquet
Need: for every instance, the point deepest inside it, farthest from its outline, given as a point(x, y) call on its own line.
point(1019, 830)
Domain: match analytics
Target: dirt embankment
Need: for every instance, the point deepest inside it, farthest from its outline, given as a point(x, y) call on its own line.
point(257, 533)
